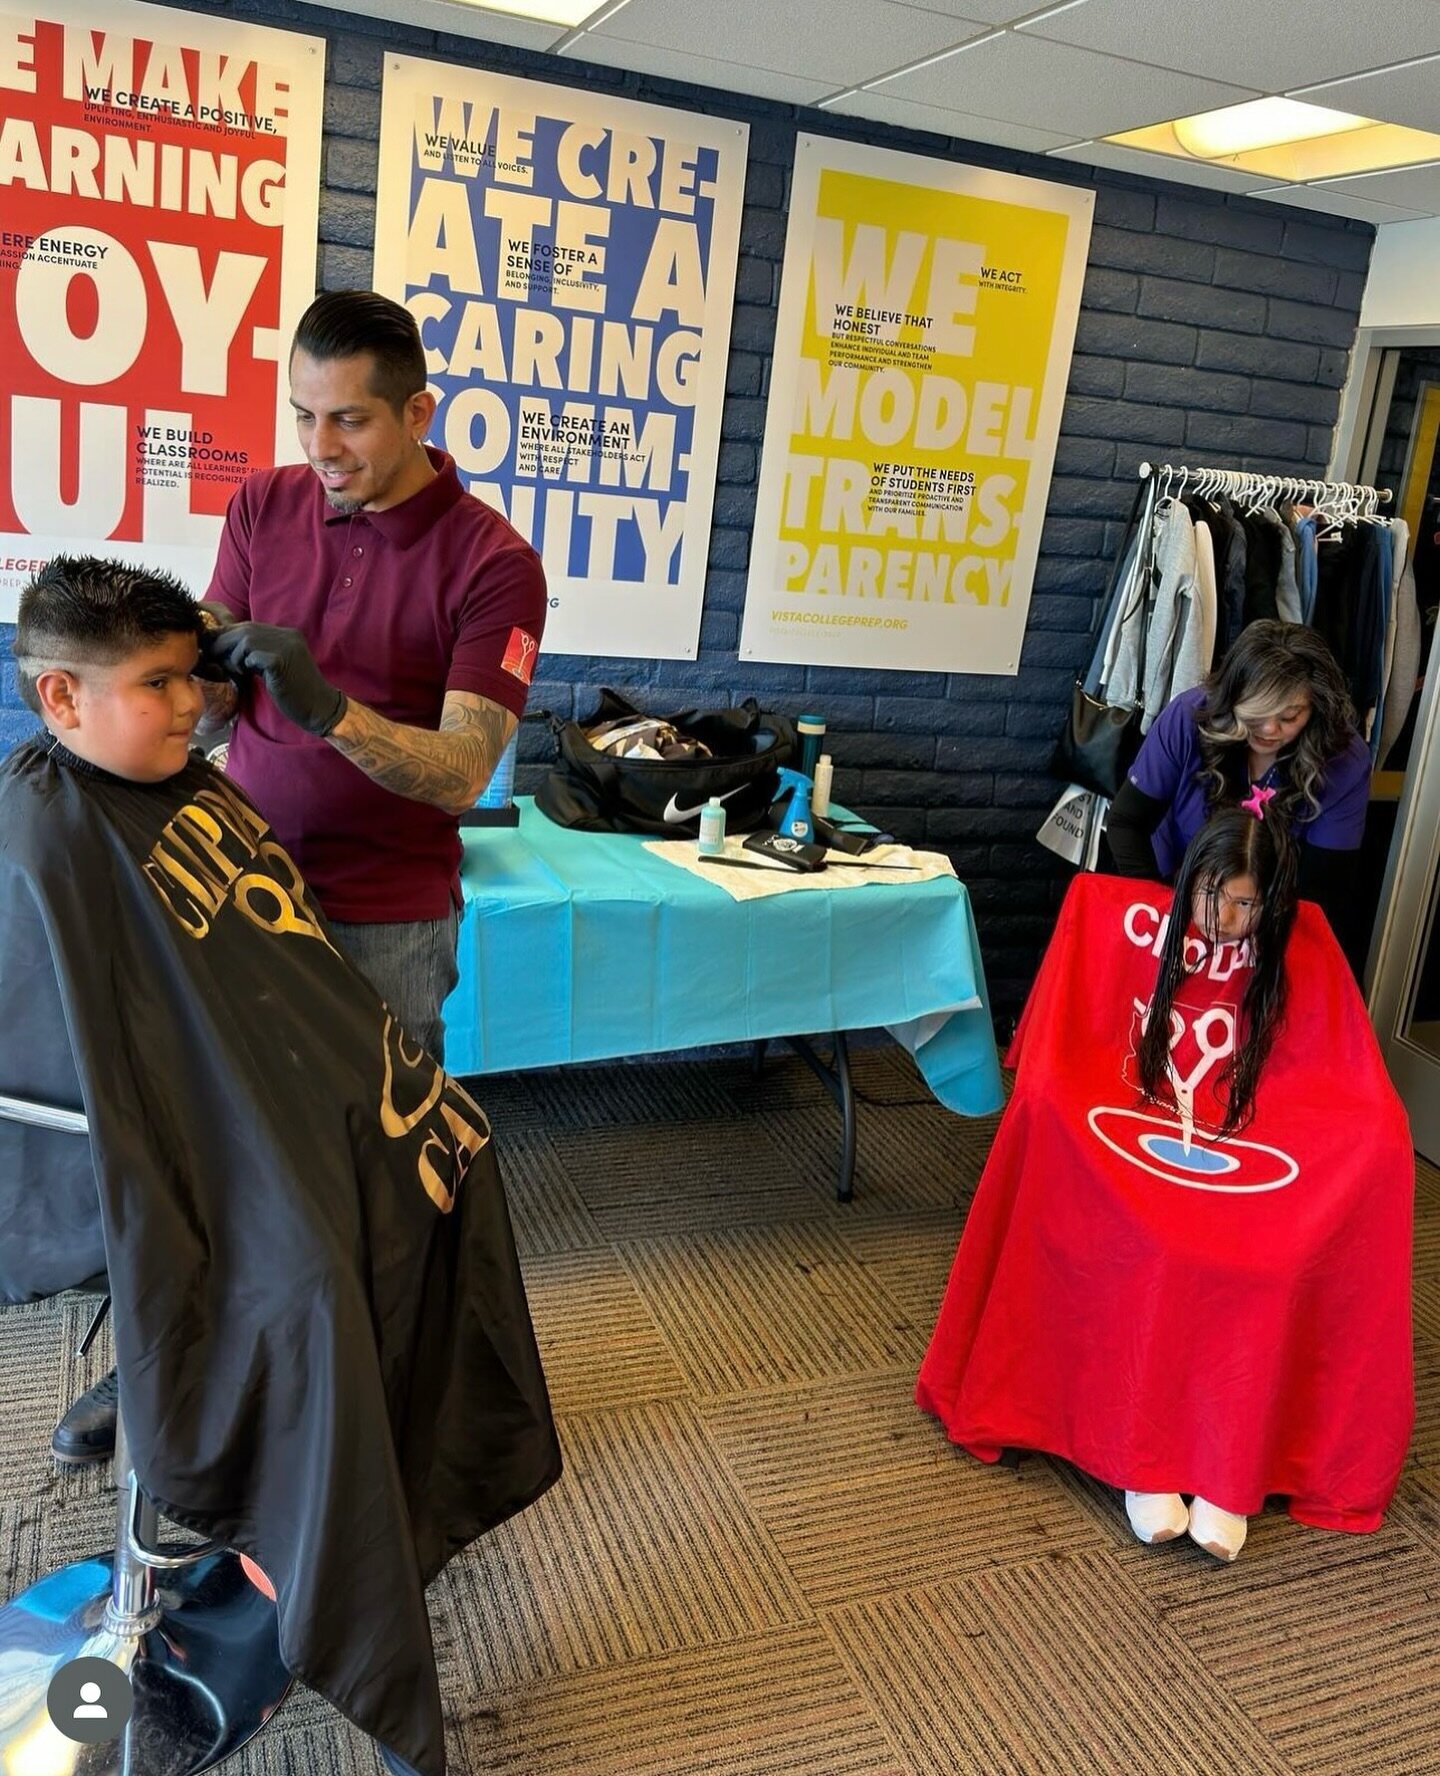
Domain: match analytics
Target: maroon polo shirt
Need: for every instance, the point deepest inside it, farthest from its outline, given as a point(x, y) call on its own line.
point(436, 594)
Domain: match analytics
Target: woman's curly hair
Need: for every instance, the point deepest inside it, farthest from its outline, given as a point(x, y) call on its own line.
point(1267, 666)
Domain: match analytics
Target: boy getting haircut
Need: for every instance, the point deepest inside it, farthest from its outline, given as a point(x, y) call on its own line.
point(321, 1333)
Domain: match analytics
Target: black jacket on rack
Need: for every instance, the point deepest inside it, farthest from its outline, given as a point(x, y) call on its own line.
point(1351, 599)
point(1262, 567)
point(1230, 614)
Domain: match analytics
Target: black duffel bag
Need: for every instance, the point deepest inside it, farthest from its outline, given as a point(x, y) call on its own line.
point(599, 792)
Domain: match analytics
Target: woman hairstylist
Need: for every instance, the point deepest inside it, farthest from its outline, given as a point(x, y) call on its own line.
point(1273, 716)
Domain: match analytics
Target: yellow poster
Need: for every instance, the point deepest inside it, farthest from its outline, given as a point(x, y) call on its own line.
point(926, 319)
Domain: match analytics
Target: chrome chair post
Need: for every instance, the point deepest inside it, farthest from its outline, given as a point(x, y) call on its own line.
point(199, 1643)
point(132, 1608)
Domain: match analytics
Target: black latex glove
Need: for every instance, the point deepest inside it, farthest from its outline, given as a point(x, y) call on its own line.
point(282, 656)
point(217, 618)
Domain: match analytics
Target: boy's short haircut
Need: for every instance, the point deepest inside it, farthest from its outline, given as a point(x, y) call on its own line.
point(80, 610)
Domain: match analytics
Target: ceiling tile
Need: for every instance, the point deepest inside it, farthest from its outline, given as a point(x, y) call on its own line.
point(1410, 188)
point(1043, 85)
point(1159, 166)
point(1271, 45)
point(798, 38)
point(992, 12)
point(881, 106)
point(463, 20)
point(803, 37)
point(1334, 203)
point(700, 70)
point(1397, 95)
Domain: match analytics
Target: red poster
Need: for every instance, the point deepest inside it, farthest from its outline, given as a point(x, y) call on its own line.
point(159, 178)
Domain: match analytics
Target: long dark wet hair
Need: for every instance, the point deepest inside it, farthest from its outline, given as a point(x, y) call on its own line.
point(1232, 842)
point(1271, 663)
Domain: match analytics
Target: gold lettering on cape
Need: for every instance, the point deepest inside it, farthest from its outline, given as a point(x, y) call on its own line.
point(456, 1127)
point(201, 850)
point(234, 811)
point(205, 831)
point(167, 874)
point(292, 912)
point(199, 862)
point(455, 1154)
point(280, 859)
point(393, 1119)
point(176, 905)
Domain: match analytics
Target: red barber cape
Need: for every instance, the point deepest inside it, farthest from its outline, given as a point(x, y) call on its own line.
point(1170, 1311)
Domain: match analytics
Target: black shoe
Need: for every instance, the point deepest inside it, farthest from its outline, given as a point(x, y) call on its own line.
point(396, 1766)
point(87, 1432)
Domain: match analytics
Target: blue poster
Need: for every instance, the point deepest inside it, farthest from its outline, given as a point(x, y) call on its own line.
point(570, 260)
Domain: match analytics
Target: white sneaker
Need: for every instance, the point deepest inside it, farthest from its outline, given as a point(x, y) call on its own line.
point(1218, 1532)
point(1156, 1516)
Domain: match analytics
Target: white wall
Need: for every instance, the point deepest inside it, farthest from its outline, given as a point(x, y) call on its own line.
point(1403, 288)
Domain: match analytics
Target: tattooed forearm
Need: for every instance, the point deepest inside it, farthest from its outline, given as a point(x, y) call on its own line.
point(448, 768)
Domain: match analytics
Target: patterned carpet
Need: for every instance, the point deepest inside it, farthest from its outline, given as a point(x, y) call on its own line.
point(762, 1561)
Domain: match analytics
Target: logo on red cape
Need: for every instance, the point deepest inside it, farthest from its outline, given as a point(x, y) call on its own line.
point(520, 654)
point(1158, 1144)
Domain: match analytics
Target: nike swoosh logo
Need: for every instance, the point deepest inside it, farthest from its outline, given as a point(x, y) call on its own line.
point(674, 812)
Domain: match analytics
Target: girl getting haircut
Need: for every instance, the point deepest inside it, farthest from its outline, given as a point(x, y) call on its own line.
point(1233, 842)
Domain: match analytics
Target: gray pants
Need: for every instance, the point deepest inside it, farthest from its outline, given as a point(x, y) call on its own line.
point(412, 967)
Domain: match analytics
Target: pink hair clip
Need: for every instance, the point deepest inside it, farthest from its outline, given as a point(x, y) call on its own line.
point(1255, 802)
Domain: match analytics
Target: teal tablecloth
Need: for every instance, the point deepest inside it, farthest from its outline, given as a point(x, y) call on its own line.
point(584, 946)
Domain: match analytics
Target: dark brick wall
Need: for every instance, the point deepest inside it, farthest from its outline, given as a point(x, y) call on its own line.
point(1213, 329)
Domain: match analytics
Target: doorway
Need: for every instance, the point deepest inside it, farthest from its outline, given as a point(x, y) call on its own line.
point(1404, 971)
point(1389, 437)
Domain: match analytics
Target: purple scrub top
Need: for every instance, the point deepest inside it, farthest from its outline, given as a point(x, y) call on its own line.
point(1167, 767)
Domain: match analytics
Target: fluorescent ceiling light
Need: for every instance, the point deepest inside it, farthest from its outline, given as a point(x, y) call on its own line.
point(1262, 123)
point(1286, 139)
point(546, 12)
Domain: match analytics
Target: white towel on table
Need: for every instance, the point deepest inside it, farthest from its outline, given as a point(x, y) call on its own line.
point(839, 871)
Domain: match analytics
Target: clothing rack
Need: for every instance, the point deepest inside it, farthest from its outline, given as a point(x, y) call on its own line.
point(1339, 499)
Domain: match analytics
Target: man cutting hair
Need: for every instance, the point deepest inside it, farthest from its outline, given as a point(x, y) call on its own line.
point(381, 626)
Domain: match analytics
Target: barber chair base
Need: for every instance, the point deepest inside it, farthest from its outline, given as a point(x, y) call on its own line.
point(204, 1669)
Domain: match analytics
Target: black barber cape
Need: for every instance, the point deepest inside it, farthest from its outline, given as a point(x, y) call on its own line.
point(326, 1359)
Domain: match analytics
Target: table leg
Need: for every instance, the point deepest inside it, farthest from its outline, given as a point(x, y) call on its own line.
point(836, 1079)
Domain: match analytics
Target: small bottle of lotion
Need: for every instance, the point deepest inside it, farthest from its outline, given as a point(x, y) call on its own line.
point(820, 800)
point(712, 828)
